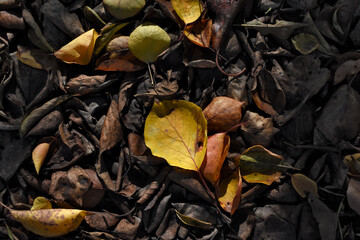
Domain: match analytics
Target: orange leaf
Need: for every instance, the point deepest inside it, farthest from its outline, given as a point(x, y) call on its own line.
point(199, 32)
point(80, 49)
point(39, 154)
point(217, 149)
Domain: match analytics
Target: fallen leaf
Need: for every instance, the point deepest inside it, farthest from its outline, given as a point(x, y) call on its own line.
point(259, 165)
point(147, 41)
point(353, 194)
point(223, 113)
point(39, 155)
point(304, 185)
point(229, 192)
point(124, 8)
point(177, 131)
point(106, 36)
point(79, 50)
point(347, 70)
point(11, 20)
point(353, 163)
point(188, 10)
point(50, 222)
point(216, 151)
point(305, 43)
point(199, 32)
point(119, 61)
point(35, 58)
point(193, 222)
point(84, 84)
point(93, 17)
point(41, 203)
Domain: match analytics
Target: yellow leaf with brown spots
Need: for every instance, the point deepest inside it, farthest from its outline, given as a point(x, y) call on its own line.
point(50, 222)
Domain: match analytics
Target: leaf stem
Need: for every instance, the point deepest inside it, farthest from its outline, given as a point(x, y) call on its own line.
point(151, 76)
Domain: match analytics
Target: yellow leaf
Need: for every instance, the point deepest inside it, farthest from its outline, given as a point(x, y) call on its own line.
point(80, 49)
point(177, 131)
point(259, 165)
point(188, 10)
point(199, 32)
point(50, 222)
point(39, 154)
point(193, 222)
point(304, 185)
point(35, 58)
point(147, 41)
point(122, 9)
point(41, 203)
point(229, 192)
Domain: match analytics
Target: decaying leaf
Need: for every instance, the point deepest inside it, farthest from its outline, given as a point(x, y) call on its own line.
point(353, 193)
point(346, 70)
point(41, 203)
point(217, 149)
point(305, 43)
point(223, 113)
point(229, 192)
point(199, 32)
point(80, 49)
point(39, 154)
point(124, 8)
point(177, 131)
point(146, 35)
point(35, 58)
point(193, 222)
point(259, 165)
point(353, 163)
point(188, 10)
point(304, 185)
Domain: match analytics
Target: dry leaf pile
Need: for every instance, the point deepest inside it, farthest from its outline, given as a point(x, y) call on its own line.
point(169, 119)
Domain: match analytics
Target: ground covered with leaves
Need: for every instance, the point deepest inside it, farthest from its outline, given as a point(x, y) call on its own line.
point(196, 119)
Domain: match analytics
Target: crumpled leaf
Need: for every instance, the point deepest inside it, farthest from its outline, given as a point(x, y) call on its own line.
point(147, 41)
point(41, 203)
point(188, 10)
point(124, 8)
point(50, 222)
point(39, 155)
point(177, 131)
point(304, 185)
point(259, 165)
point(229, 192)
point(193, 222)
point(199, 32)
point(305, 43)
point(281, 29)
point(353, 163)
point(217, 149)
point(79, 50)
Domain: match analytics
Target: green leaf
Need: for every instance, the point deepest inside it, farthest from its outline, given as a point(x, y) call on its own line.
point(147, 41)
point(122, 9)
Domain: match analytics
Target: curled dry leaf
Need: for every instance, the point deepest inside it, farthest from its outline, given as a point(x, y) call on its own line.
point(146, 35)
point(177, 131)
point(217, 149)
point(199, 32)
point(106, 36)
point(259, 165)
point(188, 10)
point(35, 58)
point(124, 8)
point(223, 113)
point(304, 185)
point(79, 50)
point(193, 222)
point(39, 155)
point(353, 194)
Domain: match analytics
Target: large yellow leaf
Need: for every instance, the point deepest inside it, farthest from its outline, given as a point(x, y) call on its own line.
point(188, 10)
point(177, 131)
point(50, 222)
point(122, 9)
point(147, 41)
point(80, 49)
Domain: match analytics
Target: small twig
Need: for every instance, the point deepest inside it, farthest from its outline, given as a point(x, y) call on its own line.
point(222, 71)
point(150, 73)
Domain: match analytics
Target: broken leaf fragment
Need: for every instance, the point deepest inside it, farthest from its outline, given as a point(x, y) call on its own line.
point(147, 41)
point(39, 155)
point(176, 130)
point(304, 185)
point(193, 222)
point(305, 43)
point(50, 222)
point(79, 50)
point(188, 10)
point(124, 8)
point(259, 165)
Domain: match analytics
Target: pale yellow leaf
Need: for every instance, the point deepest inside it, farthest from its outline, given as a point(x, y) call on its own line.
point(41, 203)
point(188, 10)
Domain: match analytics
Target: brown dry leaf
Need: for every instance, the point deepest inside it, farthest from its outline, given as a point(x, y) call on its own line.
point(353, 194)
point(353, 163)
point(217, 149)
point(79, 50)
point(346, 70)
point(84, 84)
point(259, 165)
point(39, 155)
point(199, 32)
point(223, 113)
point(120, 43)
point(11, 20)
point(229, 192)
point(102, 220)
point(188, 10)
point(126, 229)
point(304, 185)
point(177, 131)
